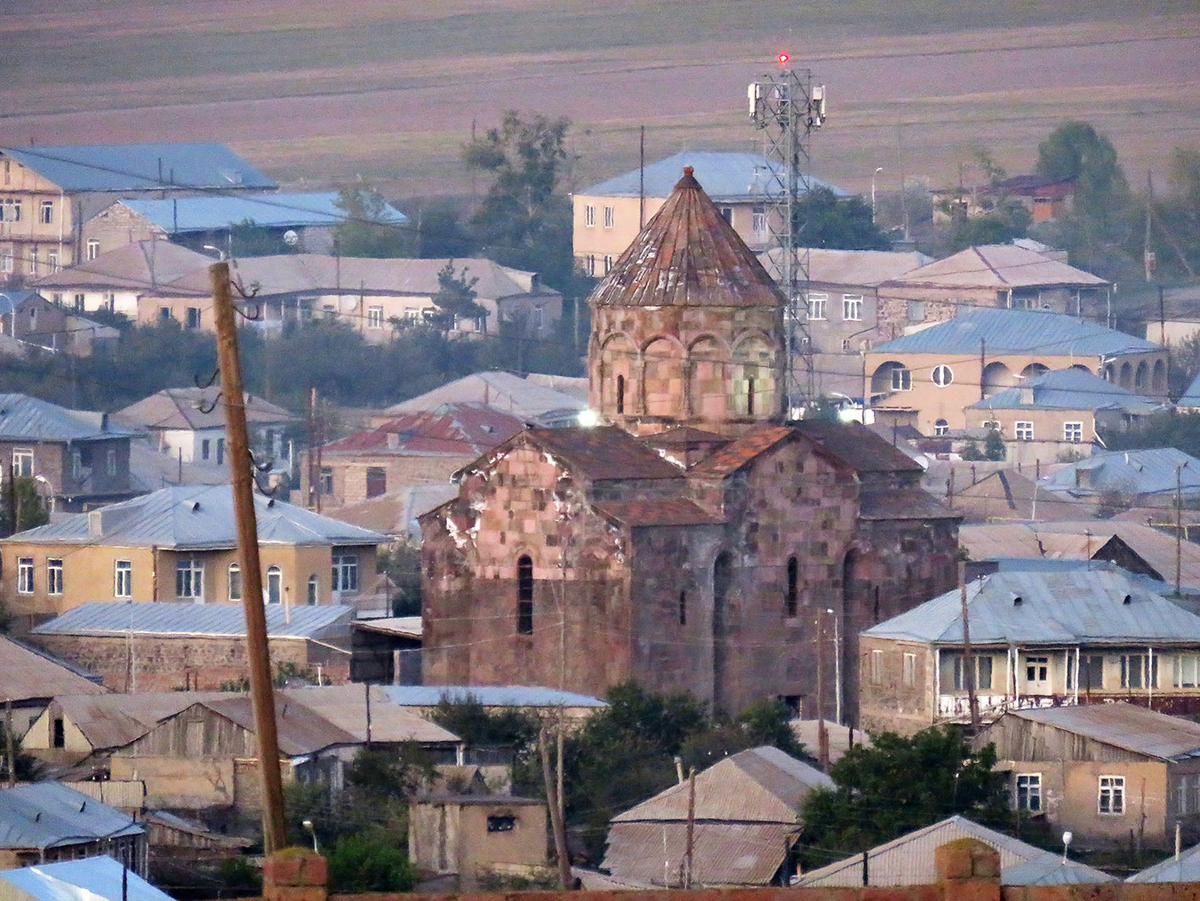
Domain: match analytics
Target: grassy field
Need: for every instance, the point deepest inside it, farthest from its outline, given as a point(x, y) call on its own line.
point(319, 93)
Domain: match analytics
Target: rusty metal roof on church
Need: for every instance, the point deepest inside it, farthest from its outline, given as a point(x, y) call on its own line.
point(604, 453)
point(734, 456)
point(857, 446)
point(687, 255)
point(661, 512)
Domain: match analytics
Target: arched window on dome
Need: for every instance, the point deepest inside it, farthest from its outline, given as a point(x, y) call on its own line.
point(620, 394)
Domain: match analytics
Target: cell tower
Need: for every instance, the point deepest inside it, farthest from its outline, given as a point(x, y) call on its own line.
point(787, 108)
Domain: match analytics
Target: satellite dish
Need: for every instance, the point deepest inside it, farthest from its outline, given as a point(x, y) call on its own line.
point(290, 238)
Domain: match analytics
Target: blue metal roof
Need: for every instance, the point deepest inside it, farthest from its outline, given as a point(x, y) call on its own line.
point(25, 418)
point(210, 620)
point(48, 814)
point(89, 879)
point(1068, 389)
point(198, 517)
point(1191, 397)
point(213, 213)
point(1133, 472)
point(489, 696)
point(725, 176)
point(140, 167)
point(1056, 608)
point(1017, 331)
point(1185, 868)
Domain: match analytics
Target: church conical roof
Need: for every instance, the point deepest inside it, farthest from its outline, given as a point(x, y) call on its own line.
point(687, 256)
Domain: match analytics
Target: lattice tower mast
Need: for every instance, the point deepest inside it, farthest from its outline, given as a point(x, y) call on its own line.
point(787, 108)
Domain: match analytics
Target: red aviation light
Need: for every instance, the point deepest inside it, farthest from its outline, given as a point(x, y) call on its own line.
point(784, 58)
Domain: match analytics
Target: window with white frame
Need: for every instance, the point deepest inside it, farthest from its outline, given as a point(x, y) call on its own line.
point(189, 579)
point(852, 307)
point(1037, 669)
point(25, 575)
point(54, 575)
point(910, 670)
point(589, 216)
point(983, 672)
point(93, 249)
point(817, 304)
point(1024, 430)
point(313, 590)
point(110, 462)
point(273, 591)
point(608, 261)
point(123, 579)
point(941, 428)
point(345, 572)
point(1073, 432)
point(589, 264)
point(6, 258)
point(22, 461)
point(10, 210)
point(876, 667)
point(608, 217)
point(758, 220)
point(1111, 792)
point(32, 259)
point(1139, 671)
point(326, 477)
point(943, 375)
point(901, 379)
point(1187, 794)
point(47, 212)
point(235, 582)
point(1187, 670)
point(76, 463)
point(375, 317)
point(916, 311)
point(53, 259)
point(1029, 792)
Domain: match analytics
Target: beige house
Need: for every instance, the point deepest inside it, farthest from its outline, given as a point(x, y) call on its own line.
point(609, 215)
point(1103, 771)
point(180, 544)
point(931, 377)
point(48, 192)
point(1038, 639)
point(473, 835)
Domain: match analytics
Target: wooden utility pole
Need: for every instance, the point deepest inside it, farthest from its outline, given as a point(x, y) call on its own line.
point(11, 741)
point(691, 829)
point(261, 691)
point(556, 820)
point(968, 662)
point(1179, 526)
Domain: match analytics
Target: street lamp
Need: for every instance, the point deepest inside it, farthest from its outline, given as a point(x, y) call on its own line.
point(49, 491)
point(873, 174)
point(308, 827)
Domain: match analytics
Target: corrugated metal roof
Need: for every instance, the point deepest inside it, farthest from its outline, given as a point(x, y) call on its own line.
point(27, 674)
point(730, 176)
point(858, 268)
point(406, 626)
point(1191, 397)
point(183, 408)
point(458, 430)
point(688, 255)
point(140, 167)
point(1053, 871)
point(197, 517)
point(742, 451)
point(1069, 389)
point(908, 860)
point(501, 390)
point(213, 213)
point(1017, 331)
point(25, 418)
point(489, 696)
point(397, 512)
point(300, 730)
point(142, 266)
point(48, 814)
point(1055, 608)
point(723, 853)
point(1133, 472)
point(168, 618)
point(1184, 869)
point(999, 266)
point(114, 720)
point(758, 785)
point(1126, 726)
point(88, 879)
point(345, 706)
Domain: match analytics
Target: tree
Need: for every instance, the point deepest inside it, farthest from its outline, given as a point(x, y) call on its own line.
point(1166, 429)
point(766, 722)
point(369, 229)
point(369, 861)
point(993, 446)
point(825, 220)
point(899, 785)
point(23, 507)
point(455, 298)
point(249, 239)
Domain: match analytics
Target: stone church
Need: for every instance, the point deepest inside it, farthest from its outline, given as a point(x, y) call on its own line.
point(694, 540)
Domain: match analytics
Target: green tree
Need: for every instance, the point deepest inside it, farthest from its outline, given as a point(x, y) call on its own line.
point(369, 230)
point(899, 785)
point(993, 446)
point(766, 722)
point(1175, 232)
point(369, 861)
point(249, 239)
point(1166, 429)
point(825, 220)
point(480, 728)
point(23, 507)
point(991, 228)
point(455, 298)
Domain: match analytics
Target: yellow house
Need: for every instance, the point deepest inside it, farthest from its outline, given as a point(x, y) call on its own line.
point(180, 544)
point(48, 192)
point(609, 215)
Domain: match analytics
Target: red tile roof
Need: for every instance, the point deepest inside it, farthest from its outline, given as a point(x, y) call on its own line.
point(452, 429)
point(688, 255)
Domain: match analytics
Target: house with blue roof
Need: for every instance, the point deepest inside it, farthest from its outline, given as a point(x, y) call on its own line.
point(304, 221)
point(1059, 413)
point(609, 215)
point(1142, 476)
point(86, 879)
point(1038, 639)
point(48, 192)
point(180, 544)
point(930, 377)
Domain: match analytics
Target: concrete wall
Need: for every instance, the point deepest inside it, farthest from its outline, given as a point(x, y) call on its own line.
point(450, 836)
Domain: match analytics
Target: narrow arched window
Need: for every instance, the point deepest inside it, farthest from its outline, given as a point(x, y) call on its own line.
point(525, 595)
point(274, 590)
point(312, 590)
point(235, 582)
point(620, 394)
point(793, 586)
point(750, 396)
point(683, 608)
